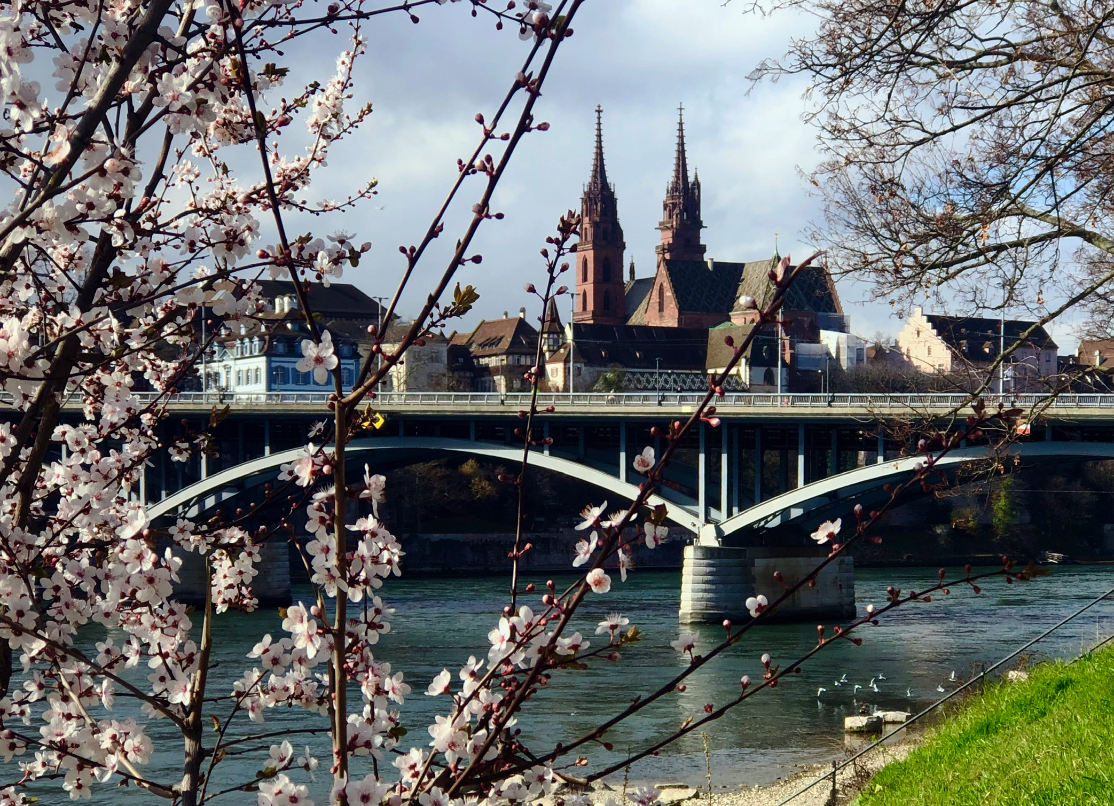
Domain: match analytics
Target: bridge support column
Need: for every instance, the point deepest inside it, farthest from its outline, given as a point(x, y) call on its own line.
point(266, 437)
point(716, 582)
point(702, 477)
point(881, 445)
point(758, 469)
point(622, 452)
point(723, 472)
point(801, 455)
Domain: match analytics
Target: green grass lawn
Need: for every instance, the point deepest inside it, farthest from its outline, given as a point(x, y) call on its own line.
point(1046, 741)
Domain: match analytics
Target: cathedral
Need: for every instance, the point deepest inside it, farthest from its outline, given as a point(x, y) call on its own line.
point(667, 331)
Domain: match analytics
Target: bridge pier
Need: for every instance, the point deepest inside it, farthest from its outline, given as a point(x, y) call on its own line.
point(716, 582)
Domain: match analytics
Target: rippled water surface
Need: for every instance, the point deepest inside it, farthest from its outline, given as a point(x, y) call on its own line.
point(440, 622)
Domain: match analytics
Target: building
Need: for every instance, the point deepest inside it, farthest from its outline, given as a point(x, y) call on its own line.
point(635, 329)
point(495, 356)
point(629, 358)
point(259, 355)
point(966, 346)
point(424, 366)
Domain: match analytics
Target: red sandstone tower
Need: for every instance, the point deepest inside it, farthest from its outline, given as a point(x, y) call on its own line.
point(600, 295)
point(680, 226)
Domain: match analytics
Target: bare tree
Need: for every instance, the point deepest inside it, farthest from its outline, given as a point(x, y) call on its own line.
point(967, 147)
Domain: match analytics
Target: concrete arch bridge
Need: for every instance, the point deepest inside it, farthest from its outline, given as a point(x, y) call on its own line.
point(732, 557)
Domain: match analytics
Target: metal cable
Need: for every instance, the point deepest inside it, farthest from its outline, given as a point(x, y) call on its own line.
point(942, 700)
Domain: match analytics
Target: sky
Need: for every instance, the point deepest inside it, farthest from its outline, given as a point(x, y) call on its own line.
point(638, 59)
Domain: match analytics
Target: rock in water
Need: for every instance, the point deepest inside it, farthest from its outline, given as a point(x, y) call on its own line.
point(862, 724)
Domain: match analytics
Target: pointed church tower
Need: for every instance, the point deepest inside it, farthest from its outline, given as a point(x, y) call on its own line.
point(680, 226)
point(599, 254)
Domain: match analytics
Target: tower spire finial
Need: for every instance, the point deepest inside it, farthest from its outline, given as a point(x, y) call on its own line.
point(680, 161)
point(599, 170)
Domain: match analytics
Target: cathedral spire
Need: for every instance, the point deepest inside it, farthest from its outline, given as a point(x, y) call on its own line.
point(680, 183)
point(680, 224)
point(599, 170)
point(599, 252)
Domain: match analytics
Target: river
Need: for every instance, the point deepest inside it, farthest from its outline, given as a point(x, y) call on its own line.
point(439, 622)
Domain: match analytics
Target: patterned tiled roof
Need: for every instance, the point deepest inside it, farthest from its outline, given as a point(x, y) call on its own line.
point(704, 286)
point(813, 290)
point(636, 292)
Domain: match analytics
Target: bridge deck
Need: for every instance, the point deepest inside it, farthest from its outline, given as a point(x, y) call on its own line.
point(1075, 407)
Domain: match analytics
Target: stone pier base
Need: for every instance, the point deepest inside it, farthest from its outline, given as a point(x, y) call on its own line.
point(716, 582)
point(271, 584)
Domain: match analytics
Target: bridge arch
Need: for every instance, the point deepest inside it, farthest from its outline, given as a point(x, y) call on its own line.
point(257, 471)
point(835, 495)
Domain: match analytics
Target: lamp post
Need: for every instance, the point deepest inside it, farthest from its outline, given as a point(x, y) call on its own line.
point(779, 339)
point(572, 344)
point(657, 378)
point(379, 336)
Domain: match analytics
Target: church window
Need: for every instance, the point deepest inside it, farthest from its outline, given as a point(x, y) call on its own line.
point(607, 300)
point(583, 300)
point(584, 270)
point(607, 270)
point(661, 299)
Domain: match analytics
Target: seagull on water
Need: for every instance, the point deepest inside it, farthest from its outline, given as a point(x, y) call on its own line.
point(940, 689)
point(881, 677)
point(908, 692)
point(953, 678)
point(837, 682)
point(820, 691)
point(856, 689)
point(874, 688)
point(844, 678)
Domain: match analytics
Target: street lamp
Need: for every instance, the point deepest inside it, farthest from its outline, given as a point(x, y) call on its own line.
point(657, 378)
point(572, 345)
point(379, 335)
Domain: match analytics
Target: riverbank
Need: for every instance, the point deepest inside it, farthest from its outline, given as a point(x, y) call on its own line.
point(849, 781)
point(1045, 740)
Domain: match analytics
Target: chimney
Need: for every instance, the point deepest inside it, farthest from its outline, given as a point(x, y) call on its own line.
point(522, 313)
point(711, 264)
point(504, 314)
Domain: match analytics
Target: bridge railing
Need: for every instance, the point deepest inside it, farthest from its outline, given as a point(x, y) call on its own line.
point(735, 401)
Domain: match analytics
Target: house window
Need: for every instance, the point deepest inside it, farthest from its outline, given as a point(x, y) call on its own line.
point(929, 349)
point(280, 348)
point(278, 376)
point(301, 378)
point(346, 377)
point(255, 346)
point(239, 377)
point(258, 375)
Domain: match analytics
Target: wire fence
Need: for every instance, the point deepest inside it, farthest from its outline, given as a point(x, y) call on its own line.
point(831, 776)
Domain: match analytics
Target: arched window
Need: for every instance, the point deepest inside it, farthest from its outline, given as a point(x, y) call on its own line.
point(584, 270)
point(607, 300)
point(661, 299)
point(583, 300)
point(607, 270)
